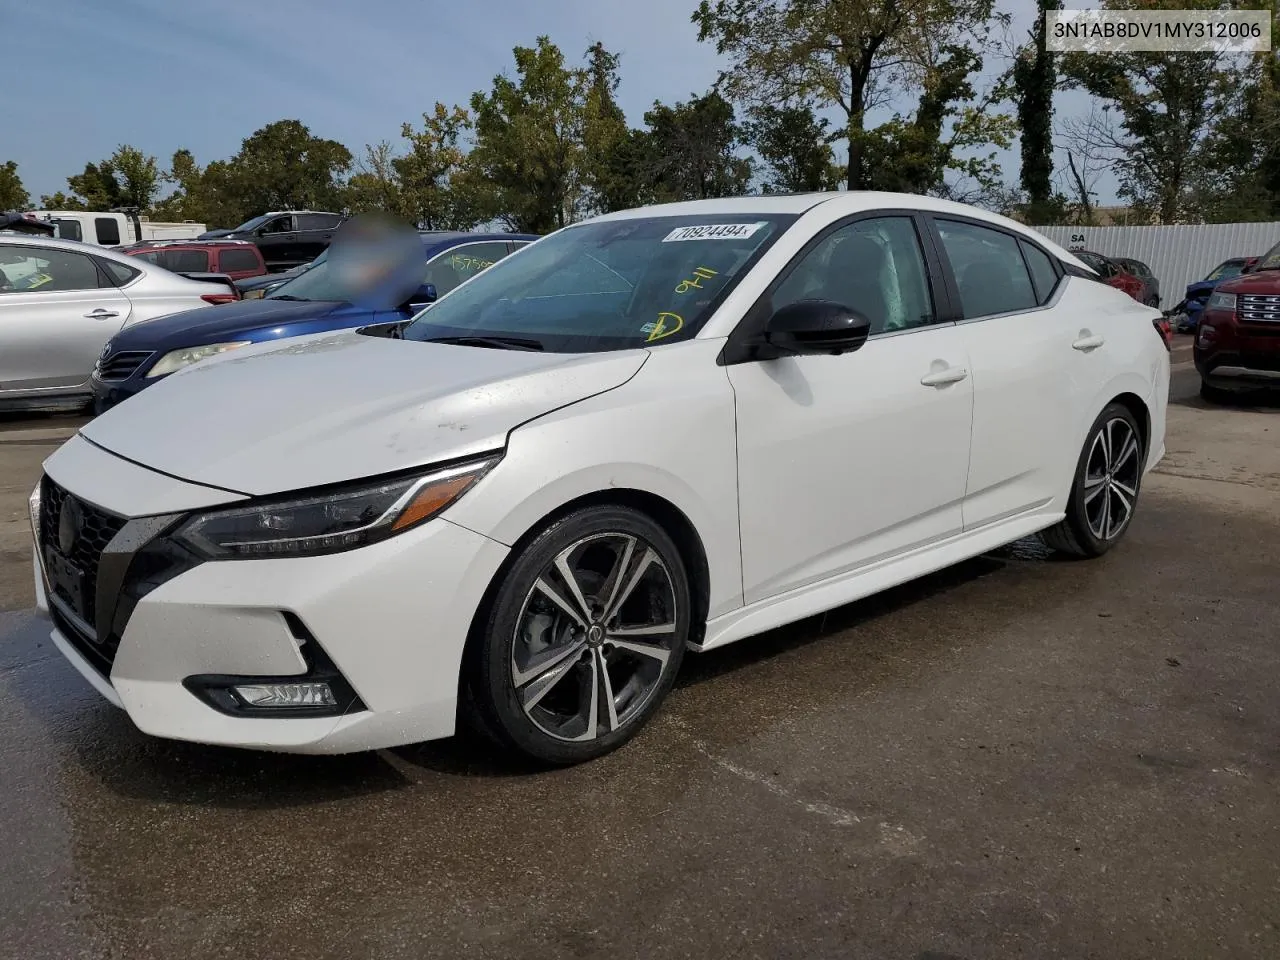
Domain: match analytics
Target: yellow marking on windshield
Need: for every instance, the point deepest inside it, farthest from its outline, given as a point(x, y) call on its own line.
point(668, 323)
point(699, 273)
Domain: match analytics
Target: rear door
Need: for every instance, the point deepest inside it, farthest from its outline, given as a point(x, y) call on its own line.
point(1019, 341)
point(57, 311)
point(315, 232)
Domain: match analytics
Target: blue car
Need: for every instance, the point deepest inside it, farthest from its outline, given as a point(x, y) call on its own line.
point(143, 354)
point(1198, 292)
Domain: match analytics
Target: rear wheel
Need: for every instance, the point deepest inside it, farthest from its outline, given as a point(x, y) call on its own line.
point(583, 638)
point(1104, 492)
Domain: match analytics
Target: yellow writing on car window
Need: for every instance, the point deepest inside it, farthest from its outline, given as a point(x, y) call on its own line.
point(39, 280)
point(699, 273)
point(471, 263)
point(668, 323)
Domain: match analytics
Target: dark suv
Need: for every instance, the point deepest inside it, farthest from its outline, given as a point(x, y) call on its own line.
point(286, 238)
point(1238, 343)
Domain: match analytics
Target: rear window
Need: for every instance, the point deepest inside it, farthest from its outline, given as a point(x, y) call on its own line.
point(233, 261)
point(68, 229)
point(179, 261)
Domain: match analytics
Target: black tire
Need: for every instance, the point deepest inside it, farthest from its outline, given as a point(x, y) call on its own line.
point(1213, 394)
point(1078, 533)
point(503, 634)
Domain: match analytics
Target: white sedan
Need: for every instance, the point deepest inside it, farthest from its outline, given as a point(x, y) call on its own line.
point(657, 431)
point(61, 301)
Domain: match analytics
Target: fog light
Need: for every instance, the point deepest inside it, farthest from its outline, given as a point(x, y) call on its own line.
point(287, 695)
point(1206, 333)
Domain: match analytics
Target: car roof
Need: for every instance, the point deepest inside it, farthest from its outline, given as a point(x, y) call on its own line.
point(846, 203)
point(193, 242)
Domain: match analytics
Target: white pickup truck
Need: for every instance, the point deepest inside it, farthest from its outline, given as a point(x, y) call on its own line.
point(115, 228)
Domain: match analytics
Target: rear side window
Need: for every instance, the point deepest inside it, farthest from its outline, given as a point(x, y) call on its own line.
point(179, 261)
point(108, 231)
point(450, 269)
point(317, 221)
point(1043, 275)
point(233, 261)
point(989, 270)
point(120, 273)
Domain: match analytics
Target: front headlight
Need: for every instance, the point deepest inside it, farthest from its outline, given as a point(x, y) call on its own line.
point(352, 517)
point(175, 360)
point(254, 294)
point(1221, 301)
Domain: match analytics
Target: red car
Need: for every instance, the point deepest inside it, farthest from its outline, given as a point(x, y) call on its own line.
point(1238, 342)
point(1114, 275)
point(238, 259)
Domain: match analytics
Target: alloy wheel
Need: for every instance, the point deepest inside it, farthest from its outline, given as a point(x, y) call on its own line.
point(594, 637)
point(1111, 478)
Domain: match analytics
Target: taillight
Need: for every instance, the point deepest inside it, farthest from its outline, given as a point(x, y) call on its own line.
point(219, 297)
point(1166, 331)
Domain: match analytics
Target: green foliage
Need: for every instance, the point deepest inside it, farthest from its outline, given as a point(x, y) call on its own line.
point(792, 143)
point(529, 139)
point(689, 151)
point(128, 178)
point(1035, 77)
point(610, 162)
point(284, 167)
point(431, 195)
point(13, 195)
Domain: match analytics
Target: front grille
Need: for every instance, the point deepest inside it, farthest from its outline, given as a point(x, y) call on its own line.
point(122, 364)
point(1258, 308)
point(96, 530)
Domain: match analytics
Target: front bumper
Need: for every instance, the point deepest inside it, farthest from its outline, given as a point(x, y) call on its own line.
point(392, 618)
point(1232, 370)
point(109, 393)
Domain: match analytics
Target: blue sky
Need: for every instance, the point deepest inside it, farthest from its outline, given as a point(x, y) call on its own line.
point(164, 74)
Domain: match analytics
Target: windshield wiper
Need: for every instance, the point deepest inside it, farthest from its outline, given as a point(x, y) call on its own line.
point(498, 343)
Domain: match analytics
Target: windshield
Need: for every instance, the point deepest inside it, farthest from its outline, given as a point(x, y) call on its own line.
point(611, 285)
point(1270, 260)
point(1225, 271)
point(313, 281)
point(251, 224)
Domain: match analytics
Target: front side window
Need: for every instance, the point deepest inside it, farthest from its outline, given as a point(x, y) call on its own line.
point(45, 270)
point(235, 261)
point(452, 267)
point(250, 225)
point(610, 285)
point(108, 230)
point(279, 225)
point(873, 267)
point(988, 268)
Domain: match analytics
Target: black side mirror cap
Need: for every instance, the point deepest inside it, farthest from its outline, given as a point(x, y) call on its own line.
point(814, 326)
point(423, 296)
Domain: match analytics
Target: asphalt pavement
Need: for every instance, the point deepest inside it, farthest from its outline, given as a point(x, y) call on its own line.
point(1016, 757)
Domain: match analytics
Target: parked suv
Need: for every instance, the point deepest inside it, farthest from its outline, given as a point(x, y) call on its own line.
point(1238, 343)
point(238, 259)
point(286, 238)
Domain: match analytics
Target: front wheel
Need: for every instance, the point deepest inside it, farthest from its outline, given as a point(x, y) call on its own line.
point(583, 638)
point(1104, 491)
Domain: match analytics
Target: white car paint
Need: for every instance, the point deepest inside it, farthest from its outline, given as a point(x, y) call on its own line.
point(50, 339)
point(809, 481)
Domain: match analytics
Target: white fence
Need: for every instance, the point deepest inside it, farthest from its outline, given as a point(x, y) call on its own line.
point(1176, 255)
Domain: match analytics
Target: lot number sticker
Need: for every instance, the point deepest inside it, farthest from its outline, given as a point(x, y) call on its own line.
point(714, 231)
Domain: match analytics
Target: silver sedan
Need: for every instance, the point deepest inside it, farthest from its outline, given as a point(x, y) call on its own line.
point(61, 301)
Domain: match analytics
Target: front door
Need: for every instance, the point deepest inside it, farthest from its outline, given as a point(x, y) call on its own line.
point(847, 460)
point(54, 317)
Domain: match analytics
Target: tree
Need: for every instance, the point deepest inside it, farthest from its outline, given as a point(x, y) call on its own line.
point(1035, 77)
point(1240, 175)
point(690, 150)
point(209, 195)
point(283, 166)
point(851, 55)
point(1086, 141)
point(60, 201)
point(610, 168)
point(375, 185)
point(1167, 104)
point(792, 142)
point(432, 193)
point(13, 195)
point(529, 140)
point(128, 178)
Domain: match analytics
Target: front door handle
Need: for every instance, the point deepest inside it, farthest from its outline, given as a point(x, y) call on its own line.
point(942, 378)
point(101, 314)
point(1088, 341)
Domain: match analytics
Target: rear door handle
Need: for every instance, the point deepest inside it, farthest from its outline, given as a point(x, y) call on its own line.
point(943, 377)
point(1089, 342)
point(101, 314)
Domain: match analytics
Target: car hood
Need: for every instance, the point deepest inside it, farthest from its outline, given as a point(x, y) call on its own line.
point(335, 407)
point(220, 323)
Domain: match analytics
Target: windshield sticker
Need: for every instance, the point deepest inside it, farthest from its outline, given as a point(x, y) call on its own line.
point(699, 273)
point(714, 231)
point(668, 323)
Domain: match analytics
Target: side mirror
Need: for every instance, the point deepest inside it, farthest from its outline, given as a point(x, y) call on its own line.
point(424, 295)
point(815, 326)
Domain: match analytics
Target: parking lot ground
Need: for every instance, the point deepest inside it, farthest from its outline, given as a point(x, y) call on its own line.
point(1016, 757)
